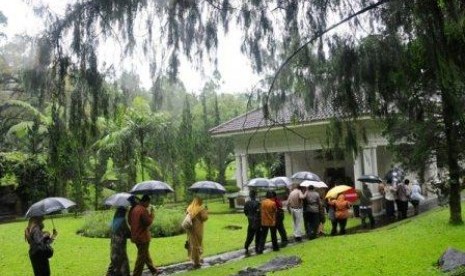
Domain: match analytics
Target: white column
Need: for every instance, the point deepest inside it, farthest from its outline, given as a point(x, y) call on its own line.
point(239, 171)
point(245, 168)
point(358, 167)
point(370, 166)
point(288, 164)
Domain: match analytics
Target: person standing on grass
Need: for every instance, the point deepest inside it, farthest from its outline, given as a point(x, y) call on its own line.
point(140, 220)
point(366, 211)
point(341, 207)
point(312, 211)
point(252, 212)
point(37, 237)
point(280, 220)
point(416, 196)
point(403, 196)
point(119, 264)
point(295, 208)
point(199, 215)
point(268, 212)
point(390, 197)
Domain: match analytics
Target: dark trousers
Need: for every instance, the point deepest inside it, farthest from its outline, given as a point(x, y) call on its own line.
point(333, 227)
point(306, 223)
point(390, 210)
point(367, 213)
point(280, 228)
point(253, 232)
point(313, 220)
point(402, 207)
point(416, 206)
point(40, 265)
point(342, 225)
point(263, 236)
point(143, 257)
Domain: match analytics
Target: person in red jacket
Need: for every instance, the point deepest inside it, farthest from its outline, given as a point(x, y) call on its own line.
point(140, 220)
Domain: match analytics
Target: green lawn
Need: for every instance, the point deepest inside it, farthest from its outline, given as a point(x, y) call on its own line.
point(407, 248)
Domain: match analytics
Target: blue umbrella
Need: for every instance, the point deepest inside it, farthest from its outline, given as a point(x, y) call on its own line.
point(207, 187)
point(303, 175)
point(151, 187)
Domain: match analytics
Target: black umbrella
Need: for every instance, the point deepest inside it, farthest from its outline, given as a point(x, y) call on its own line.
point(49, 205)
point(306, 176)
point(368, 178)
point(395, 175)
point(118, 200)
point(207, 187)
point(151, 187)
point(281, 181)
point(260, 182)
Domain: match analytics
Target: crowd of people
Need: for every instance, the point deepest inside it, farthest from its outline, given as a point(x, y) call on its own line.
point(307, 206)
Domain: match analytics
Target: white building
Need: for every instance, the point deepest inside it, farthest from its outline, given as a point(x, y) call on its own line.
point(302, 145)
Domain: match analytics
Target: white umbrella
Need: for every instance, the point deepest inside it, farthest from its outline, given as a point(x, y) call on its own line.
point(316, 184)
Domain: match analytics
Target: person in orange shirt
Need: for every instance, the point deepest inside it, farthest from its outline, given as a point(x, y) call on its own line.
point(140, 220)
point(268, 212)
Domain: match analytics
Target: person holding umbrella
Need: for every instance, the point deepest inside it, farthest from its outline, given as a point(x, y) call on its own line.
point(38, 239)
point(140, 220)
point(252, 212)
point(198, 215)
point(268, 212)
point(295, 208)
point(341, 206)
point(366, 211)
point(119, 263)
point(280, 220)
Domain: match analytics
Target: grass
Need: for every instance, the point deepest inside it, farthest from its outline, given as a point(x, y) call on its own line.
point(410, 247)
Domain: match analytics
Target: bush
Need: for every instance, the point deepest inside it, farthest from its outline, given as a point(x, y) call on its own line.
point(167, 223)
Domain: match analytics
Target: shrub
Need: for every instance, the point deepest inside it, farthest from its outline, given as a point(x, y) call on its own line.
point(96, 224)
point(167, 223)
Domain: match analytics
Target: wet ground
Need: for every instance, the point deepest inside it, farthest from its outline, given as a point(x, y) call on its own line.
point(271, 265)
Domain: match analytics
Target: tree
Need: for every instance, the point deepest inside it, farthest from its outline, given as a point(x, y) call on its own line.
point(282, 37)
point(187, 145)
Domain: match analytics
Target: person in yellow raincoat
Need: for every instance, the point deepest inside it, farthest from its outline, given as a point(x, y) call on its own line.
point(195, 234)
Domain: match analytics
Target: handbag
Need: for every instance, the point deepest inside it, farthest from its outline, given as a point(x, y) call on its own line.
point(45, 249)
point(186, 224)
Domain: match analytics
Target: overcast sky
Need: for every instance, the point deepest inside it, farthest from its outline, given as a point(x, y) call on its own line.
point(235, 69)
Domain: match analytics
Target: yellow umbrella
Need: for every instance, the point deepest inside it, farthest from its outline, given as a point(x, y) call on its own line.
point(333, 192)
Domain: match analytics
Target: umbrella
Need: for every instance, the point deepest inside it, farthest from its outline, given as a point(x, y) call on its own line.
point(281, 181)
point(48, 205)
point(316, 184)
point(333, 192)
point(306, 176)
point(118, 200)
point(153, 187)
point(395, 175)
point(370, 179)
point(207, 187)
point(260, 183)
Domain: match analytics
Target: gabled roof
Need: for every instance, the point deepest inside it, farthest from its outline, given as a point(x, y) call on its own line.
point(286, 115)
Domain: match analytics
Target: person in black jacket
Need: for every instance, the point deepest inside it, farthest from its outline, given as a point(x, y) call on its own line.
point(37, 238)
point(252, 211)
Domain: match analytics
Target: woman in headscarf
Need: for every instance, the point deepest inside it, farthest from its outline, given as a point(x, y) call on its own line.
point(341, 207)
point(195, 234)
point(36, 238)
point(119, 263)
